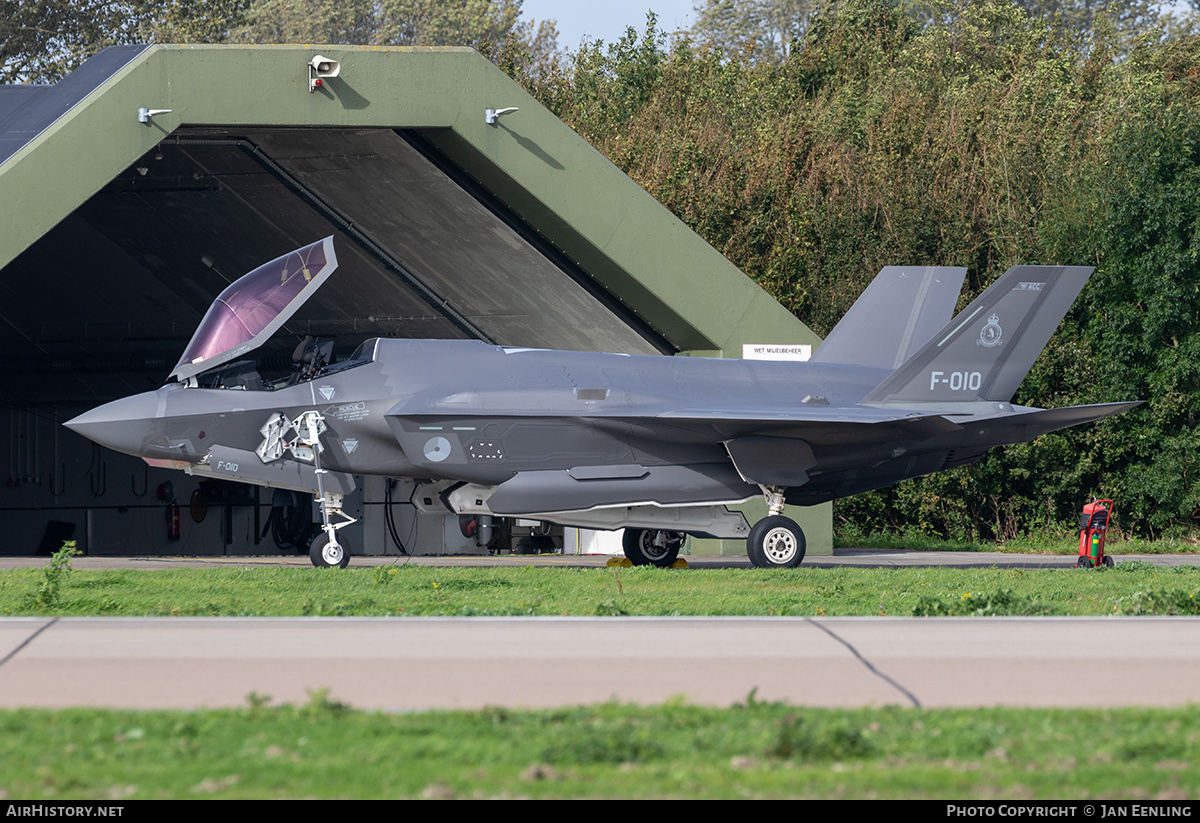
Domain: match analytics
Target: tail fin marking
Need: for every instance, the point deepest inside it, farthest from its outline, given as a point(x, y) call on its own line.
point(985, 352)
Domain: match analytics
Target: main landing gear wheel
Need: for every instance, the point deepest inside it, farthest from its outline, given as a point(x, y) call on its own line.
point(325, 554)
point(651, 547)
point(776, 542)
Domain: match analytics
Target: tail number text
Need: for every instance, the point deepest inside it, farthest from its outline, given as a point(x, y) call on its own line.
point(956, 380)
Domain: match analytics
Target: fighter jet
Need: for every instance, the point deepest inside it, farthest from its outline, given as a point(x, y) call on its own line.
point(658, 446)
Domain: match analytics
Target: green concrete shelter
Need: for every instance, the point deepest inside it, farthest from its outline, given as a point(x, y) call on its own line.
point(135, 189)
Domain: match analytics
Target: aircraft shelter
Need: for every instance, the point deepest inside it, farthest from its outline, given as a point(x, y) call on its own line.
point(134, 190)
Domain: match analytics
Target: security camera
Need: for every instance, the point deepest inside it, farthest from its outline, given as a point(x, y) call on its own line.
point(321, 67)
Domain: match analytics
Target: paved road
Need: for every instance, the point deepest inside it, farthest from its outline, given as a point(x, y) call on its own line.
point(427, 663)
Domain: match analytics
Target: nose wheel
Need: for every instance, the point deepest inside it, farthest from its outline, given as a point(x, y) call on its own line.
point(326, 552)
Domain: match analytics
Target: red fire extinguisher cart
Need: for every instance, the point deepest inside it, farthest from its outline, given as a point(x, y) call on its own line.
point(1093, 527)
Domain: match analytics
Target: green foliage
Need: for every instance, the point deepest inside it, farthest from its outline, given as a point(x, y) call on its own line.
point(319, 704)
point(758, 30)
point(493, 27)
point(41, 42)
point(1002, 603)
point(520, 590)
point(48, 593)
point(610, 608)
point(979, 134)
point(797, 736)
point(310, 21)
point(1160, 601)
point(604, 739)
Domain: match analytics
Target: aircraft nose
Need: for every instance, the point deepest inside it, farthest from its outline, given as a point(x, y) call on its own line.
point(122, 425)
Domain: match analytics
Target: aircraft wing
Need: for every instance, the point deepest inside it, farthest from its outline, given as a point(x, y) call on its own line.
point(541, 464)
point(824, 422)
point(716, 456)
point(775, 460)
point(1026, 424)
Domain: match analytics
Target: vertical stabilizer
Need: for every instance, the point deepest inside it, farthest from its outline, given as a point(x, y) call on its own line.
point(898, 313)
point(985, 352)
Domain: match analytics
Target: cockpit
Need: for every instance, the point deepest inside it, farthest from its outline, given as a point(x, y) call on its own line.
point(312, 359)
point(253, 308)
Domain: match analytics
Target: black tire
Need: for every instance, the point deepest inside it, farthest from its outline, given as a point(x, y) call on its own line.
point(323, 559)
point(1084, 562)
point(652, 547)
point(776, 542)
point(1108, 561)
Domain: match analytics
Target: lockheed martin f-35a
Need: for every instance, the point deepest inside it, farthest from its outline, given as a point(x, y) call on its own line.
point(658, 446)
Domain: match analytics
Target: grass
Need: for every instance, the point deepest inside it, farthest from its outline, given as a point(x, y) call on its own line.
point(1046, 541)
point(325, 749)
point(403, 590)
point(752, 750)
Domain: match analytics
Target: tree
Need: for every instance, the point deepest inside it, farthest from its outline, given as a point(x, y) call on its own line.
point(1080, 16)
point(768, 30)
point(310, 21)
point(477, 23)
point(41, 41)
point(760, 30)
point(486, 25)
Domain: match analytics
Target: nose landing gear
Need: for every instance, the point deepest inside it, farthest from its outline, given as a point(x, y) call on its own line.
point(326, 552)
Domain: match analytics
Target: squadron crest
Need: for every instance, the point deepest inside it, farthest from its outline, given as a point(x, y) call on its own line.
point(989, 335)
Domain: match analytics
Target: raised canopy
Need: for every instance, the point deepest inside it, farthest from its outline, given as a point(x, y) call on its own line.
point(254, 306)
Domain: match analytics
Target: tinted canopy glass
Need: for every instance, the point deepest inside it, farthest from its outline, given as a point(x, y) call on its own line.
point(253, 307)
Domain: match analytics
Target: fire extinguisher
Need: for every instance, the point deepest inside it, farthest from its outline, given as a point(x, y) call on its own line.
point(1093, 528)
point(172, 521)
point(166, 494)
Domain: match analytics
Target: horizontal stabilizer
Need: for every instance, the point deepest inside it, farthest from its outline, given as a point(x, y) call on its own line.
point(898, 313)
point(1025, 426)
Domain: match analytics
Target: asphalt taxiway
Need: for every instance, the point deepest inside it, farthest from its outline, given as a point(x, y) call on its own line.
point(413, 663)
